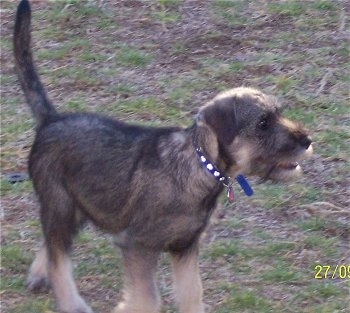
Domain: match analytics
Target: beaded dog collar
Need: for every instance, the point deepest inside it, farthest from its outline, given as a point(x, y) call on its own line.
point(225, 180)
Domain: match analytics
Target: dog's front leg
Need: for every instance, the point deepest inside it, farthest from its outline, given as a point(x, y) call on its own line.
point(188, 284)
point(141, 294)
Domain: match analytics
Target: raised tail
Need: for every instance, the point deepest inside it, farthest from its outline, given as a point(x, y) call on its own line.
point(32, 87)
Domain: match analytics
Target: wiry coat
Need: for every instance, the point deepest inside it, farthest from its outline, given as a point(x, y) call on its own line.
point(144, 185)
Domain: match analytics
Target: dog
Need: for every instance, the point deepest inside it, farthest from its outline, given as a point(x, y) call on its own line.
point(153, 188)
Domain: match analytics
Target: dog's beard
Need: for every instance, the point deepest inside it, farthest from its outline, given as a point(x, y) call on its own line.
point(268, 173)
point(283, 171)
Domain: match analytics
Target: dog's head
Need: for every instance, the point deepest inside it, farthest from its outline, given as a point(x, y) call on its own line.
point(252, 135)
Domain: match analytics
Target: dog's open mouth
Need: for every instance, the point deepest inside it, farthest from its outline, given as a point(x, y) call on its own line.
point(287, 165)
point(283, 171)
point(287, 170)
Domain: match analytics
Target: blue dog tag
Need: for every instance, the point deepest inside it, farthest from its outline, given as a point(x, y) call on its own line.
point(244, 185)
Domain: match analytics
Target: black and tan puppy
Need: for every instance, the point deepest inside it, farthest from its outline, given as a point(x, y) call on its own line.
point(147, 186)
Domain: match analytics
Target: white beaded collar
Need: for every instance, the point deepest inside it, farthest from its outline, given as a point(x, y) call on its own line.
point(220, 176)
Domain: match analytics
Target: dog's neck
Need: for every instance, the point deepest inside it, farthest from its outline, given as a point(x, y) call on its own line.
point(218, 165)
point(204, 138)
point(218, 174)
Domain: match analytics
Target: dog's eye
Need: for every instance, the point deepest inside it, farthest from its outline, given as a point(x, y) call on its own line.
point(263, 124)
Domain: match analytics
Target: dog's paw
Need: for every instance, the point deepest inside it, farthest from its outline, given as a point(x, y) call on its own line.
point(38, 284)
point(82, 310)
point(85, 309)
point(131, 308)
point(78, 306)
point(78, 310)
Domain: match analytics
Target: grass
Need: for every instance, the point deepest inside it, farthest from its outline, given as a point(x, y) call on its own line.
point(229, 11)
point(289, 8)
point(247, 302)
point(15, 189)
point(131, 56)
point(155, 63)
point(167, 11)
point(14, 258)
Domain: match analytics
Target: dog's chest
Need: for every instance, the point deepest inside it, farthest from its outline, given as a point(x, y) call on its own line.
point(170, 228)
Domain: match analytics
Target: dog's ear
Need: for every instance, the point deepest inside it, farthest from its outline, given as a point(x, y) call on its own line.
point(221, 117)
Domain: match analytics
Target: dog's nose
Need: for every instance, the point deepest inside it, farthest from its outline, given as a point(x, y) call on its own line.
point(305, 141)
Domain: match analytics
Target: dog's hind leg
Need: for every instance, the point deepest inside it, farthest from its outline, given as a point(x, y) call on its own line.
point(188, 284)
point(66, 292)
point(60, 222)
point(141, 294)
point(38, 277)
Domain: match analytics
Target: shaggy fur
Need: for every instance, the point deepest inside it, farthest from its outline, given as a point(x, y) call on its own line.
point(144, 185)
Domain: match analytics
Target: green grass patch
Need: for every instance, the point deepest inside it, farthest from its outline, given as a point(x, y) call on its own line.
point(301, 114)
point(170, 3)
point(230, 11)
point(76, 105)
point(150, 108)
point(53, 54)
point(17, 127)
point(281, 273)
point(328, 290)
point(223, 249)
point(334, 142)
point(274, 249)
point(105, 261)
point(125, 89)
point(288, 8)
point(131, 56)
point(13, 283)
point(8, 188)
point(14, 259)
point(327, 226)
point(168, 11)
point(309, 298)
point(325, 5)
point(285, 84)
point(74, 9)
point(273, 195)
point(245, 301)
point(79, 75)
point(92, 57)
point(328, 246)
point(7, 79)
point(167, 17)
point(33, 306)
point(313, 224)
point(280, 196)
point(180, 96)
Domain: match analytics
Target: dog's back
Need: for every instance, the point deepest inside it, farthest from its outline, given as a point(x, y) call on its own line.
point(90, 159)
point(130, 180)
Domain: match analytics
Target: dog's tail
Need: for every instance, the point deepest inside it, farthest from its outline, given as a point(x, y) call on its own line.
point(32, 87)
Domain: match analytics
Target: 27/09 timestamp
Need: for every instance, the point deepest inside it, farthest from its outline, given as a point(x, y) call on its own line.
point(332, 272)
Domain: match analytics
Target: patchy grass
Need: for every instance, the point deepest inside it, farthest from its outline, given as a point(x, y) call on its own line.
point(130, 56)
point(155, 62)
